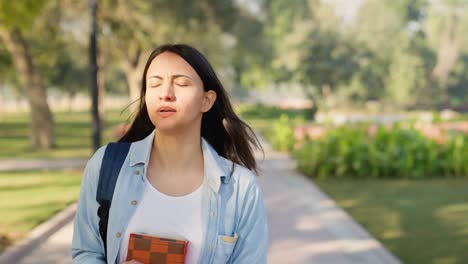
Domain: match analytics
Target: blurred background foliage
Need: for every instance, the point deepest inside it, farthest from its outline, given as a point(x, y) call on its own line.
point(406, 53)
point(378, 120)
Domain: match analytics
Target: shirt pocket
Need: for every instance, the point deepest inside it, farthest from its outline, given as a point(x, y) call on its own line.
point(225, 246)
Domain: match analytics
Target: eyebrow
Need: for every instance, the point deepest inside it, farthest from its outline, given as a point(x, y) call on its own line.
point(173, 76)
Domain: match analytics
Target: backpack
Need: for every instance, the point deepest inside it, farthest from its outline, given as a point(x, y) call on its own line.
point(114, 156)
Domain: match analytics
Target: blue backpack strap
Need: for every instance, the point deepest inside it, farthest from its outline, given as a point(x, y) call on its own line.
point(114, 156)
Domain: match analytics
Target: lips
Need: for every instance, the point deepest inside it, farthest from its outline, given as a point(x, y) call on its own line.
point(166, 109)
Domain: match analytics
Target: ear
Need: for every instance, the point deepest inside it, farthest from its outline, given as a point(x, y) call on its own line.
point(208, 100)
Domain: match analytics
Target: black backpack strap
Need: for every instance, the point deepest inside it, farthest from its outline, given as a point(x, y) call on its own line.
point(114, 156)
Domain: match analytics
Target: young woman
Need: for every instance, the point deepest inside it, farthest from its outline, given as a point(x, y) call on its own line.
point(189, 174)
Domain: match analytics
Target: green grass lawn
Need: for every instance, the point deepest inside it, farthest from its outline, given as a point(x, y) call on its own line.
point(419, 221)
point(29, 198)
point(73, 135)
point(73, 131)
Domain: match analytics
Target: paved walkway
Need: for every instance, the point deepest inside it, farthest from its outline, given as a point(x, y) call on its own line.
point(56, 249)
point(305, 225)
point(32, 164)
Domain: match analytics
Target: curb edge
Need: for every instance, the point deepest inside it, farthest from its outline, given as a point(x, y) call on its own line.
point(34, 238)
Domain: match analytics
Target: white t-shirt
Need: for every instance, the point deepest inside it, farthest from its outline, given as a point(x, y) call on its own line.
point(170, 217)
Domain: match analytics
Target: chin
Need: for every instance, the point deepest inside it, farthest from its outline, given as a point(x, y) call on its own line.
point(167, 127)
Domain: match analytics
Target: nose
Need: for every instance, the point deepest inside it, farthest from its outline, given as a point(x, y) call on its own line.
point(167, 92)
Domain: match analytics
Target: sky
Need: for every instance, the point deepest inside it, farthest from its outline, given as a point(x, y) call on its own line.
point(346, 9)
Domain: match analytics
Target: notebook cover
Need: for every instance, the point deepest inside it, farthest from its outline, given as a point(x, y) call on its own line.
point(149, 249)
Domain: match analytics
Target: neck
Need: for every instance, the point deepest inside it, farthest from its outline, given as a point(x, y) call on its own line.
point(177, 153)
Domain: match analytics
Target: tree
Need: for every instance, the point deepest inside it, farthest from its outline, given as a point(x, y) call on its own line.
point(58, 50)
point(15, 18)
point(131, 30)
point(458, 84)
point(315, 52)
point(407, 77)
point(281, 30)
point(93, 72)
point(250, 54)
point(446, 26)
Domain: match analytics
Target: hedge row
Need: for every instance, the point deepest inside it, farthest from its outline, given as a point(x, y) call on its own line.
point(390, 152)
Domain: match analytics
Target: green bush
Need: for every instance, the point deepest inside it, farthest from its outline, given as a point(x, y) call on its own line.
point(281, 134)
point(396, 152)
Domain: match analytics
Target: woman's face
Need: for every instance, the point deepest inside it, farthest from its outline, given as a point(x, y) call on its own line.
point(171, 82)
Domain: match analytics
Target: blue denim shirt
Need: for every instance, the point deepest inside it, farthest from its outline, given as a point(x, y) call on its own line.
point(234, 218)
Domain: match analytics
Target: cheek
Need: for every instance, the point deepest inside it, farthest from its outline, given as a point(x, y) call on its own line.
point(195, 103)
point(150, 101)
point(189, 98)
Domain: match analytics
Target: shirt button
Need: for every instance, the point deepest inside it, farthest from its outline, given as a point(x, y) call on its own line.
point(117, 234)
point(134, 202)
point(137, 172)
point(209, 247)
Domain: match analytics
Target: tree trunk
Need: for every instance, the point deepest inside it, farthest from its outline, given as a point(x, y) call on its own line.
point(447, 56)
point(134, 82)
point(71, 97)
point(133, 71)
point(102, 90)
point(94, 72)
point(2, 100)
point(42, 123)
point(447, 51)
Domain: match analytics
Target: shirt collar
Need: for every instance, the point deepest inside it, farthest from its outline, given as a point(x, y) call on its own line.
point(216, 170)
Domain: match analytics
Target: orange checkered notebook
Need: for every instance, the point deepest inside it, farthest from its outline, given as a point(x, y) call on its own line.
point(156, 250)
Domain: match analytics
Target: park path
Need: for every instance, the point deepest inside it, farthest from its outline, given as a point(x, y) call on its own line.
point(33, 164)
point(305, 225)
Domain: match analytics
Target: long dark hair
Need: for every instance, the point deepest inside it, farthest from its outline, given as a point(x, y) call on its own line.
point(221, 127)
